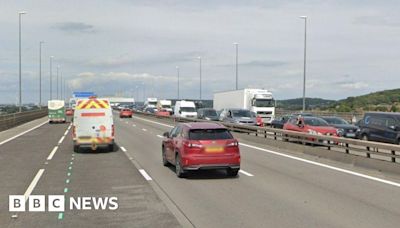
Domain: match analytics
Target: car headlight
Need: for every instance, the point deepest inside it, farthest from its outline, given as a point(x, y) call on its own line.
point(340, 132)
point(312, 132)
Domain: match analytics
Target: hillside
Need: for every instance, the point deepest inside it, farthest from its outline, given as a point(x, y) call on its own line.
point(386, 100)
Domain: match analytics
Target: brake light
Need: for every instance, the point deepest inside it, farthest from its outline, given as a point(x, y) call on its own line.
point(112, 130)
point(192, 144)
point(233, 144)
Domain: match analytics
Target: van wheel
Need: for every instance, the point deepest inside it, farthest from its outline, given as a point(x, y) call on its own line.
point(164, 157)
point(178, 167)
point(111, 147)
point(76, 148)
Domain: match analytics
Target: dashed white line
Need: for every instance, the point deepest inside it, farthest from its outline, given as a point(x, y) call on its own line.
point(133, 125)
point(22, 133)
point(144, 129)
point(126, 122)
point(123, 148)
point(66, 132)
point(52, 153)
point(33, 184)
point(145, 175)
point(61, 140)
point(246, 173)
point(160, 136)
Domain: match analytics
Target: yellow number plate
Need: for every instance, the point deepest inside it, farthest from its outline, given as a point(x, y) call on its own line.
point(214, 149)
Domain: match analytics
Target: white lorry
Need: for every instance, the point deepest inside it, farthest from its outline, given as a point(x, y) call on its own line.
point(259, 101)
point(164, 105)
point(185, 109)
point(151, 102)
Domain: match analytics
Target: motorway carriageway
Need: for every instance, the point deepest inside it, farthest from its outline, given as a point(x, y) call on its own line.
point(275, 188)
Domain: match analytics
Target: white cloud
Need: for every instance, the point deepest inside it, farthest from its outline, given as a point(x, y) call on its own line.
point(354, 85)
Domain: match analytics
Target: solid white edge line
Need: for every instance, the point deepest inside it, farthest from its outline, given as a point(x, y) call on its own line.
point(52, 153)
point(305, 160)
point(145, 175)
point(22, 133)
point(33, 184)
point(133, 125)
point(61, 140)
point(246, 173)
point(324, 165)
point(66, 132)
point(123, 148)
point(160, 136)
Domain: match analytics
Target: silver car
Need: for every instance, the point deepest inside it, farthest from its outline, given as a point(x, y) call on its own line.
point(238, 116)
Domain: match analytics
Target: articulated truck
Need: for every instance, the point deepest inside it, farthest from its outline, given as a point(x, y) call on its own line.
point(259, 101)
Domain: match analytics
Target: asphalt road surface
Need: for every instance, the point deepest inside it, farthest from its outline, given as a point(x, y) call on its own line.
point(275, 188)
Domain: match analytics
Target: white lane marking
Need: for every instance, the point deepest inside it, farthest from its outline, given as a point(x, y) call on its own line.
point(69, 127)
point(145, 175)
point(325, 166)
point(66, 132)
point(22, 133)
point(144, 129)
point(246, 173)
point(160, 136)
point(33, 184)
point(123, 148)
point(61, 140)
point(126, 122)
point(154, 122)
point(308, 161)
point(52, 153)
point(133, 125)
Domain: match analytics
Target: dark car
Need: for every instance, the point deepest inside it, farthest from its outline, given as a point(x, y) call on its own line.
point(279, 122)
point(344, 128)
point(199, 146)
point(207, 114)
point(381, 127)
point(150, 110)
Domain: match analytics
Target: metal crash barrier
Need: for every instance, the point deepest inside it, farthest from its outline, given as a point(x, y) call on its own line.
point(11, 120)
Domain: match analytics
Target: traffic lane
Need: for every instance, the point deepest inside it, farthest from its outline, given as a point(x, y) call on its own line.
point(20, 160)
point(312, 189)
point(101, 174)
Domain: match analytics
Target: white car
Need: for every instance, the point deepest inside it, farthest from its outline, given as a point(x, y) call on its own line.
point(93, 124)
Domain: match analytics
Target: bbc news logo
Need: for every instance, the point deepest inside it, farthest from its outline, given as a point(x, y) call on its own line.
point(57, 203)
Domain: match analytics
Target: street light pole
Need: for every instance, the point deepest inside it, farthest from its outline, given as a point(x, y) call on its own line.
point(20, 72)
point(177, 72)
point(51, 77)
point(61, 87)
point(58, 68)
point(40, 74)
point(200, 73)
point(305, 58)
point(237, 65)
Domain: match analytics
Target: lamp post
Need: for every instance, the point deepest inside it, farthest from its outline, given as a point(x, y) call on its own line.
point(305, 58)
point(20, 72)
point(40, 74)
point(237, 65)
point(177, 74)
point(58, 68)
point(200, 73)
point(51, 77)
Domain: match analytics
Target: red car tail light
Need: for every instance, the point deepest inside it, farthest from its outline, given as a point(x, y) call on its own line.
point(192, 144)
point(233, 144)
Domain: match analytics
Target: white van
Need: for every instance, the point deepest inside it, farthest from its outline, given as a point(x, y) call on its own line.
point(185, 109)
point(93, 124)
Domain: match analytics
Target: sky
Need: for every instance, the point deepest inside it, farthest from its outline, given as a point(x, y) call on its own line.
point(132, 47)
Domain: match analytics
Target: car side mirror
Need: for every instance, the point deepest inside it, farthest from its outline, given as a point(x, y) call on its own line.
point(180, 112)
point(166, 134)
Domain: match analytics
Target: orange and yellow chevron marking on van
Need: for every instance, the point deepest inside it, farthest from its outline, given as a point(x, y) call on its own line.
point(92, 104)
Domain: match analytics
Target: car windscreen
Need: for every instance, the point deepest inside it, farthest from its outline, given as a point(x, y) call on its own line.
point(315, 122)
point(209, 134)
point(188, 109)
point(264, 103)
point(241, 113)
point(210, 113)
point(166, 106)
point(335, 121)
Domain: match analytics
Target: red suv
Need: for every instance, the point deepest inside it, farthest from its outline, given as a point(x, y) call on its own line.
point(198, 146)
point(125, 113)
